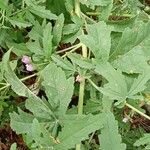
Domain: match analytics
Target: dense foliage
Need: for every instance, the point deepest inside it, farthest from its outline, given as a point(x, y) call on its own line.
point(75, 74)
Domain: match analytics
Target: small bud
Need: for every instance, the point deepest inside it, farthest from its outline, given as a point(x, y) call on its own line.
point(79, 78)
point(29, 67)
point(26, 60)
point(125, 120)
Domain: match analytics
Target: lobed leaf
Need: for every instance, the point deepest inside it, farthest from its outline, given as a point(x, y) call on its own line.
point(58, 88)
point(77, 129)
point(98, 40)
point(116, 88)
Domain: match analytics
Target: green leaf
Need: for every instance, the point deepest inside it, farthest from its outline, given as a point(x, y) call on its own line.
point(19, 23)
point(139, 83)
point(131, 38)
point(42, 12)
point(58, 7)
point(21, 123)
point(29, 2)
point(71, 38)
point(92, 3)
point(3, 4)
point(19, 49)
point(80, 61)
point(144, 141)
point(69, 4)
point(64, 63)
point(110, 139)
point(36, 32)
point(58, 88)
point(40, 135)
point(92, 106)
point(116, 87)
point(77, 129)
point(13, 146)
point(71, 28)
point(39, 108)
point(11, 78)
point(106, 11)
point(35, 47)
point(134, 61)
point(24, 123)
point(47, 40)
point(57, 30)
point(34, 104)
point(98, 40)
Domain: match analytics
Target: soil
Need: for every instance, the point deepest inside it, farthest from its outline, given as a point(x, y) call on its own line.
point(8, 137)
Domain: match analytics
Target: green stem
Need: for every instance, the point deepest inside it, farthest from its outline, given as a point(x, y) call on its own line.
point(93, 13)
point(23, 79)
point(72, 50)
point(128, 105)
point(136, 110)
point(3, 17)
point(97, 14)
point(88, 18)
point(94, 85)
point(82, 83)
point(69, 48)
point(81, 97)
point(77, 8)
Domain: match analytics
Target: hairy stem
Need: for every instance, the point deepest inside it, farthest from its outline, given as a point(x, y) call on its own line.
point(82, 83)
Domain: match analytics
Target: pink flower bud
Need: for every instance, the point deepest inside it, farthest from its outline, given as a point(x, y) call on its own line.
point(26, 59)
point(29, 67)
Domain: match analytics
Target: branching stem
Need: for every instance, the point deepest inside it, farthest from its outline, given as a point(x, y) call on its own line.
point(127, 104)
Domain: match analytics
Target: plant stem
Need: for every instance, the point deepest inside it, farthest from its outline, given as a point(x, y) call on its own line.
point(72, 50)
point(28, 77)
point(94, 85)
point(82, 83)
point(77, 8)
point(23, 79)
point(88, 18)
point(69, 48)
point(3, 17)
point(81, 97)
point(128, 105)
point(136, 110)
point(97, 14)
